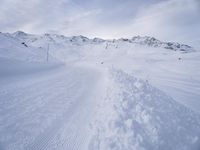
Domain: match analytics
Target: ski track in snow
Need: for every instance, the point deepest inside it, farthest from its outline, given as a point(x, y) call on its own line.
point(48, 112)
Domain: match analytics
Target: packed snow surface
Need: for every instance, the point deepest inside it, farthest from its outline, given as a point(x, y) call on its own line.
point(76, 93)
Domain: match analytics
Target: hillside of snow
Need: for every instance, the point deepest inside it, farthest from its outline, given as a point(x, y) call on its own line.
point(76, 93)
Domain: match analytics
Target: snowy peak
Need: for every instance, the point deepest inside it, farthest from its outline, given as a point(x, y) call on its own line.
point(177, 46)
point(146, 40)
point(98, 40)
point(153, 42)
point(81, 40)
point(7, 40)
point(24, 37)
point(20, 34)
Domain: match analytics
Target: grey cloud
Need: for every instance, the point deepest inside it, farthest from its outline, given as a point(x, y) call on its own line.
point(176, 20)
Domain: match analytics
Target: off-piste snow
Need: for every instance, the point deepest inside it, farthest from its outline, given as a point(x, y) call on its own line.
point(76, 93)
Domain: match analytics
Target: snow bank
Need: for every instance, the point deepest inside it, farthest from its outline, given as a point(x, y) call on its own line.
point(138, 116)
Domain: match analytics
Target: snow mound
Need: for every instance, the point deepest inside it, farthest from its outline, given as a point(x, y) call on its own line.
point(138, 116)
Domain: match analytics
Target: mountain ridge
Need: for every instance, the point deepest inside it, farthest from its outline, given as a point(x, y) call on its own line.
point(79, 40)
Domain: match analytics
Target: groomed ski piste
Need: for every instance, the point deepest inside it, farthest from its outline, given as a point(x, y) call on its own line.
point(95, 94)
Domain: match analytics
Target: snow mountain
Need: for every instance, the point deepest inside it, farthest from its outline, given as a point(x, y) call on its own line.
point(61, 39)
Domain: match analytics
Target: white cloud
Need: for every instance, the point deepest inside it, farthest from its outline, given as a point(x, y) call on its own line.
point(169, 20)
point(176, 20)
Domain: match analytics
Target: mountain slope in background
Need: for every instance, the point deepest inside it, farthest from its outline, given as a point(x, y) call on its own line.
point(58, 39)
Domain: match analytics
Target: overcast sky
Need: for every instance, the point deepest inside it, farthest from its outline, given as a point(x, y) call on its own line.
point(171, 20)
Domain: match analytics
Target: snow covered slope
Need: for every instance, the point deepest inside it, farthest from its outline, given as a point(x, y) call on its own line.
point(137, 116)
point(48, 110)
point(124, 94)
point(14, 48)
